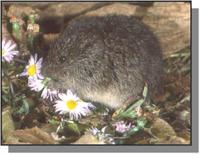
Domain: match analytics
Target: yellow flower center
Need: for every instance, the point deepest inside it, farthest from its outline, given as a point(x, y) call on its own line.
point(31, 70)
point(3, 52)
point(71, 104)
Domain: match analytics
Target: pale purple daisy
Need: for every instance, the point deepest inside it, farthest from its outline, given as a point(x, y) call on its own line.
point(33, 69)
point(8, 51)
point(122, 127)
point(70, 103)
point(49, 94)
point(35, 84)
point(38, 85)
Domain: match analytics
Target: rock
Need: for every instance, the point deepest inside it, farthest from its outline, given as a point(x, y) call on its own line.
point(7, 123)
point(58, 14)
point(20, 11)
point(88, 139)
point(173, 140)
point(116, 9)
point(170, 21)
point(70, 9)
point(38, 5)
point(161, 129)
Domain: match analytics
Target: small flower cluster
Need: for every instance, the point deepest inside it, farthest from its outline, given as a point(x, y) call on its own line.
point(122, 127)
point(36, 80)
point(64, 103)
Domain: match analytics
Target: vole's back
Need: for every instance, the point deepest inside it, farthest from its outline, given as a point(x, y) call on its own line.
point(105, 59)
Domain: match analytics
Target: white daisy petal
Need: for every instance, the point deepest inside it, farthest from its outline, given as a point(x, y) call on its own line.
point(35, 58)
point(23, 74)
point(11, 47)
point(70, 103)
point(39, 62)
point(63, 96)
point(44, 93)
point(3, 43)
point(40, 76)
point(7, 50)
point(33, 68)
point(35, 84)
point(7, 58)
point(7, 44)
point(15, 52)
point(69, 92)
point(71, 95)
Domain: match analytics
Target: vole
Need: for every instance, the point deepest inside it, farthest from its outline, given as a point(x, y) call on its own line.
point(105, 59)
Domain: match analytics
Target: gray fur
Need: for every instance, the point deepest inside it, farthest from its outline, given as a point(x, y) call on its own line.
point(105, 59)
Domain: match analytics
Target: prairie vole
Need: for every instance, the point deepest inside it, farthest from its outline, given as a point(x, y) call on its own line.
point(105, 59)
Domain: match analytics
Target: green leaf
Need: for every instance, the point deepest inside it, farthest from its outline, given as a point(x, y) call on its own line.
point(53, 121)
point(130, 114)
point(32, 18)
point(135, 129)
point(5, 99)
point(16, 27)
point(136, 104)
point(145, 91)
point(73, 128)
point(24, 109)
point(46, 80)
point(141, 122)
point(132, 131)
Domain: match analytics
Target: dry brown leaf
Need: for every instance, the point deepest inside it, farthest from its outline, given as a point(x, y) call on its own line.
point(162, 129)
point(33, 136)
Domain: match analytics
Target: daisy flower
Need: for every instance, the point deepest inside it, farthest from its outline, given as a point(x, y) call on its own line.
point(39, 85)
point(8, 51)
point(33, 69)
point(49, 94)
point(122, 127)
point(70, 103)
point(35, 84)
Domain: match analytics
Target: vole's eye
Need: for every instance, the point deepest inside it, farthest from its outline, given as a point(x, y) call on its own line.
point(62, 59)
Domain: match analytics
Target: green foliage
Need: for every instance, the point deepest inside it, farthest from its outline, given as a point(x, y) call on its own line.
point(31, 18)
point(54, 121)
point(23, 107)
point(141, 122)
point(16, 29)
point(145, 91)
point(130, 111)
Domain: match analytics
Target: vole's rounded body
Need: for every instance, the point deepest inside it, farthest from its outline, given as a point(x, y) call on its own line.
point(105, 59)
